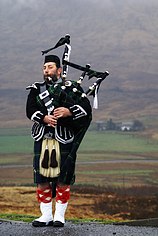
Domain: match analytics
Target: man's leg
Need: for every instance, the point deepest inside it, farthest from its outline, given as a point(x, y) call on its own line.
point(62, 197)
point(44, 196)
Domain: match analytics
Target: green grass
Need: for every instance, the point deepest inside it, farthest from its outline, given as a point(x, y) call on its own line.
point(16, 147)
point(29, 219)
point(17, 217)
point(117, 142)
point(14, 131)
point(19, 141)
point(16, 144)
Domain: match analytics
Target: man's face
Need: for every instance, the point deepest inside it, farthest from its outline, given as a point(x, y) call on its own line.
point(50, 70)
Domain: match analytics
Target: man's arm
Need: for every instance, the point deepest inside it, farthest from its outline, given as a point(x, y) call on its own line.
point(33, 112)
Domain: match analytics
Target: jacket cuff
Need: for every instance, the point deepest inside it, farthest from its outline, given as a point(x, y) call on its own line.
point(77, 112)
point(37, 117)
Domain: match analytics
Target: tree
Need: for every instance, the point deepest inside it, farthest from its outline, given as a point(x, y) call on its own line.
point(110, 125)
point(138, 125)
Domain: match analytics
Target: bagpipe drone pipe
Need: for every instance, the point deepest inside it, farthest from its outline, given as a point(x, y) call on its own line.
point(73, 88)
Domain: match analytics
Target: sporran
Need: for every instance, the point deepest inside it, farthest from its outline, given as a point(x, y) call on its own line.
point(50, 158)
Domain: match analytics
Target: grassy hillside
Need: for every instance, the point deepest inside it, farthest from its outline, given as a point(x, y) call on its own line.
point(18, 141)
point(118, 36)
point(104, 158)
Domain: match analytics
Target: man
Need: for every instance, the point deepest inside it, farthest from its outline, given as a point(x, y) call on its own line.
point(60, 120)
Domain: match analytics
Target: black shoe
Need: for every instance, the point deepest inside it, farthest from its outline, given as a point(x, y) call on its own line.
point(58, 224)
point(37, 223)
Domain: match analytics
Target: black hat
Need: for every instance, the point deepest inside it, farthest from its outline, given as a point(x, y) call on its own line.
point(52, 58)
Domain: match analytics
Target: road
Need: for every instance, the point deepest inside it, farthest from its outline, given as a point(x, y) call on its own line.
point(93, 162)
point(12, 228)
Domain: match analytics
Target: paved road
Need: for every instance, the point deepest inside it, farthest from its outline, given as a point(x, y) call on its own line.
point(92, 162)
point(12, 228)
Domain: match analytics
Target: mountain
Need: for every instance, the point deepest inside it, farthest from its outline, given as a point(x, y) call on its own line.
point(117, 36)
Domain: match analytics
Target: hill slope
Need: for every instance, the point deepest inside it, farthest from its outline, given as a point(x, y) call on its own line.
point(118, 36)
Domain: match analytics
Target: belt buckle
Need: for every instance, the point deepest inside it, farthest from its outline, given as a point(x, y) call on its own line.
point(48, 136)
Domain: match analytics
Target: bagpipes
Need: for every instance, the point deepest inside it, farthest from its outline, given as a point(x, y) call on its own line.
point(86, 71)
point(70, 94)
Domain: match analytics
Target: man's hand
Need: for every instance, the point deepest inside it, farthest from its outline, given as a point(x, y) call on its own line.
point(58, 113)
point(62, 112)
point(50, 120)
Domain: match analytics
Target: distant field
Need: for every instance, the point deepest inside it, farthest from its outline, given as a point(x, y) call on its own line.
point(19, 141)
point(104, 158)
point(15, 141)
point(117, 142)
